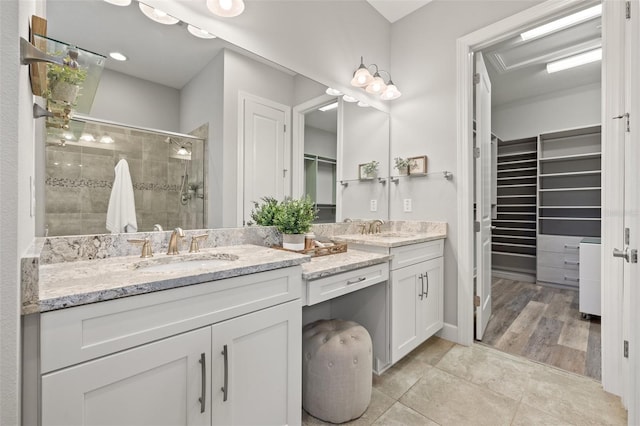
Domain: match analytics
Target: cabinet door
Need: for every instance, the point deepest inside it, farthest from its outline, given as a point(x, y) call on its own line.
point(431, 315)
point(161, 383)
point(406, 294)
point(257, 368)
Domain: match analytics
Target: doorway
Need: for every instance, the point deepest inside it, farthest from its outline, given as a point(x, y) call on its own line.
point(612, 302)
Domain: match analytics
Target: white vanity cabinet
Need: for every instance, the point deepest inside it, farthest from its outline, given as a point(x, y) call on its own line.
point(416, 295)
point(222, 352)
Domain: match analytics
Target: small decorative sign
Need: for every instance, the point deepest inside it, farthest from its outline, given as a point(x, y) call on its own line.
point(418, 165)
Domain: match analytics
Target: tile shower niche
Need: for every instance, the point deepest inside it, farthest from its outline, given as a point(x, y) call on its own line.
point(168, 183)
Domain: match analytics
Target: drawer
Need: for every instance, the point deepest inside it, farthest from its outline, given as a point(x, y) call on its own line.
point(74, 335)
point(346, 282)
point(558, 243)
point(416, 253)
point(558, 276)
point(568, 261)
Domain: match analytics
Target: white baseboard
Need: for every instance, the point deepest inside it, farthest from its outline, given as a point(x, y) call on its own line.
point(449, 332)
point(515, 276)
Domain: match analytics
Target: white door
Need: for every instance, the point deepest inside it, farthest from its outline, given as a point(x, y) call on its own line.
point(257, 368)
point(266, 167)
point(161, 383)
point(483, 196)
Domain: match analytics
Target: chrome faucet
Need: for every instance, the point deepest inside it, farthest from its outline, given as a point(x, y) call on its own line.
point(374, 228)
point(157, 227)
point(174, 241)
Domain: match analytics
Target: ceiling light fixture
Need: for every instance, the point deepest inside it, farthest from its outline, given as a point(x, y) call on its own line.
point(226, 8)
point(567, 21)
point(575, 61)
point(374, 83)
point(199, 32)
point(157, 15)
point(117, 56)
point(328, 107)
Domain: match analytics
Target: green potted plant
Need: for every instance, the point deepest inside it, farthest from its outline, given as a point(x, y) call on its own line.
point(64, 82)
point(263, 213)
point(402, 165)
point(369, 170)
point(293, 217)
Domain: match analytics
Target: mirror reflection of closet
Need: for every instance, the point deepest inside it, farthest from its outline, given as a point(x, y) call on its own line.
point(320, 153)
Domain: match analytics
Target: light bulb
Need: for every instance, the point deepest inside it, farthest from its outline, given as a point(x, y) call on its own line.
point(226, 8)
point(225, 4)
point(391, 92)
point(377, 85)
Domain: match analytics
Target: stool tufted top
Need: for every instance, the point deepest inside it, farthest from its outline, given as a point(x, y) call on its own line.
point(334, 333)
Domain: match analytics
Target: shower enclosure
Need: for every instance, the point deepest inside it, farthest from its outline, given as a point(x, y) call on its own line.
point(167, 171)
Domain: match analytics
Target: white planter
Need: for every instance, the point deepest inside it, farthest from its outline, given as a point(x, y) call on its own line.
point(293, 241)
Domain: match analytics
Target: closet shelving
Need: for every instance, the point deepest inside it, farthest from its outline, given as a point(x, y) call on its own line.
point(514, 236)
point(569, 200)
point(320, 185)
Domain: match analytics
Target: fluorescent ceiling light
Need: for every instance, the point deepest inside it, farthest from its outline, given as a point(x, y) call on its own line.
point(118, 56)
point(328, 107)
point(199, 32)
point(575, 61)
point(567, 21)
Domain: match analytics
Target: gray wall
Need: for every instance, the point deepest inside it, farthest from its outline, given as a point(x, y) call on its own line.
point(423, 55)
point(126, 99)
point(563, 110)
point(319, 142)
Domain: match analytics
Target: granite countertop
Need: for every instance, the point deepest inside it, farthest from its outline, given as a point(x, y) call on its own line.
point(390, 239)
point(67, 284)
point(324, 266)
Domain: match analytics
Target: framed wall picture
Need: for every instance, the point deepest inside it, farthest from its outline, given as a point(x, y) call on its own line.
point(418, 165)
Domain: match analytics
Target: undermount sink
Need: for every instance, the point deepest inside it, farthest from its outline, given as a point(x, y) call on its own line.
point(183, 263)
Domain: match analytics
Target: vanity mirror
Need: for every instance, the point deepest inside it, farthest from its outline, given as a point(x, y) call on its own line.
point(177, 83)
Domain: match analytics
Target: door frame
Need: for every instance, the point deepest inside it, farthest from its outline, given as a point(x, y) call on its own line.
point(465, 46)
point(242, 97)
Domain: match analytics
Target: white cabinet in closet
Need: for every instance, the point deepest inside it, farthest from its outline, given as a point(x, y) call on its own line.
point(513, 242)
point(569, 200)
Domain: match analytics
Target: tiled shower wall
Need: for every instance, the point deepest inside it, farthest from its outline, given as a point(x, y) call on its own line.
point(79, 177)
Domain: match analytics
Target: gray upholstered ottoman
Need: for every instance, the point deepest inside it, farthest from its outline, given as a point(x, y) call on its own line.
point(336, 370)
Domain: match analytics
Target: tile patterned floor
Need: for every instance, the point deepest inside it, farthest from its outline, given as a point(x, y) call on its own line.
point(543, 324)
point(441, 383)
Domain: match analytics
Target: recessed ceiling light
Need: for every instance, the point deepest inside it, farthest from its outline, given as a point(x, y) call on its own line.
point(117, 56)
point(199, 32)
point(119, 2)
point(328, 107)
point(87, 137)
point(333, 92)
point(158, 15)
point(348, 98)
point(575, 61)
point(567, 21)
point(106, 139)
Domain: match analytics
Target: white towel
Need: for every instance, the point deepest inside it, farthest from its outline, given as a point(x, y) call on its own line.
point(121, 214)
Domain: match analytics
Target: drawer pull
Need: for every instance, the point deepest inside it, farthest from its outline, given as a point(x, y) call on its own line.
point(569, 246)
point(571, 279)
point(356, 281)
point(203, 392)
point(571, 262)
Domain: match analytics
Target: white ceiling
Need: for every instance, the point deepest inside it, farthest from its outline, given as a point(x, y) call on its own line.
point(517, 68)
point(394, 10)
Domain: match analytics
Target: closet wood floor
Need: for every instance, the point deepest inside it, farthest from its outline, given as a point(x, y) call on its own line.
point(543, 324)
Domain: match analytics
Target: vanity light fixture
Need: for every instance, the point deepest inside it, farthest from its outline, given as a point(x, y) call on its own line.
point(199, 32)
point(374, 83)
point(183, 151)
point(119, 2)
point(363, 104)
point(329, 107)
point(332, 92)
point(117, 56)
point(226, 8)
point(157, 15)
point(68, 136)
point(567, 21)
point(348, 98)
point(575, 61)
